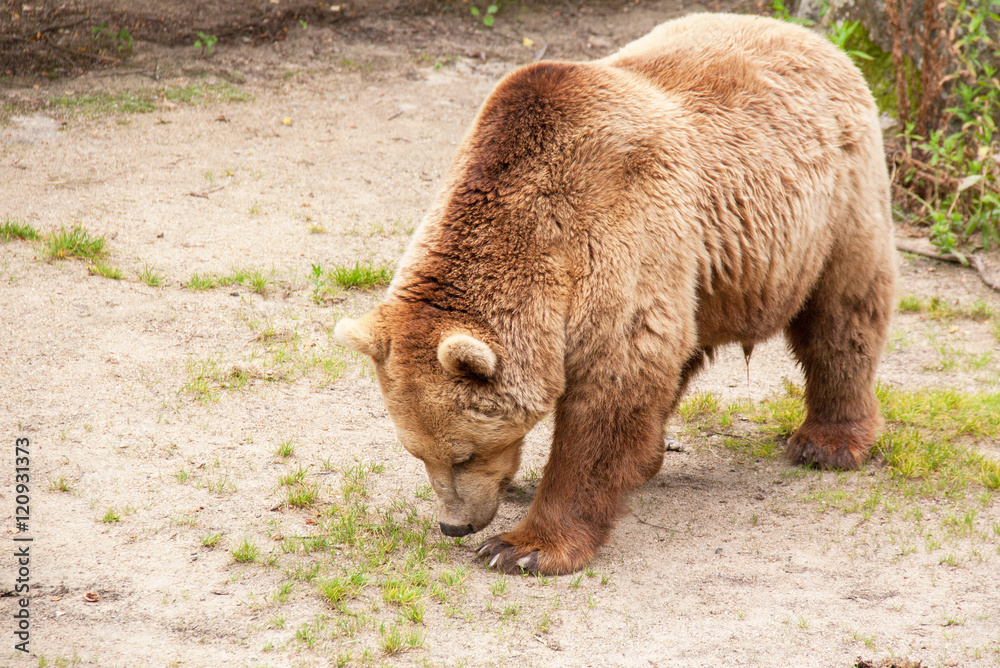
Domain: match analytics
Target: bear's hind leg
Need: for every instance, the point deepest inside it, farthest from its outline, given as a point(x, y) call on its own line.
point(838, 338)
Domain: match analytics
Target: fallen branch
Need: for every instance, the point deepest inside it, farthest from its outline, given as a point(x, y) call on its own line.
point(115, 73)
point(84, 54)
point(908, 247)
point(974, 260)
point(206, 193)
point(650, 524)
point(977, 262)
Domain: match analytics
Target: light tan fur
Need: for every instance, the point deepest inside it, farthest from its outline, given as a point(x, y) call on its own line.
point(606, 225)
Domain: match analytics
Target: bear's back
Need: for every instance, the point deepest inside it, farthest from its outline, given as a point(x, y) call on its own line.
point(728, 59)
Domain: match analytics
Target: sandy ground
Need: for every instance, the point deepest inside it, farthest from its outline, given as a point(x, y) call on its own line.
point(723, 559)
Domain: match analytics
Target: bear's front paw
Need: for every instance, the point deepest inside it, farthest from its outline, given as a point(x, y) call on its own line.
point(501, 555)
point(509, 554)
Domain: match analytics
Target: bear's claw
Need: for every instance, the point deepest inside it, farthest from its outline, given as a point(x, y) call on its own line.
point(499, 554)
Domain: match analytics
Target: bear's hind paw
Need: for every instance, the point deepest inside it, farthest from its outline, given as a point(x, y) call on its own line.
point(830, 446)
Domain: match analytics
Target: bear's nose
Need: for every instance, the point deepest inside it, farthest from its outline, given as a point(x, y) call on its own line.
point(456, 531)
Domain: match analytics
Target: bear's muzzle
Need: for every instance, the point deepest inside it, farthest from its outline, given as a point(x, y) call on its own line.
point(457, 531)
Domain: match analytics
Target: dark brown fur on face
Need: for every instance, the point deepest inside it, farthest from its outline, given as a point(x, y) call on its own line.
point(603, 228)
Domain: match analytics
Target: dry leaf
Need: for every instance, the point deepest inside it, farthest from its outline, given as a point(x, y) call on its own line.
point(969, 181)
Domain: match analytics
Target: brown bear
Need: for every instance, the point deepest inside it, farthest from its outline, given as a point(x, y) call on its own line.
point(603, 228)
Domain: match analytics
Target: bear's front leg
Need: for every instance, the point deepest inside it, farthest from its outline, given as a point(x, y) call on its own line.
point(600, 452)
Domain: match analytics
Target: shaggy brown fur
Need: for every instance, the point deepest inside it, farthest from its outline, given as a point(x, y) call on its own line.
point(606, 225)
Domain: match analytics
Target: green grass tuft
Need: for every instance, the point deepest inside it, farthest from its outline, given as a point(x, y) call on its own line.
point(211, 540)
point(303, 496)
point(200, 282)
point(103, 103)
point(363, 276)
point(207, 93)
point(11, 229)
point(106, 270)
point(73, 242)
point(246, 552)
point(254, 278)
point(343, 588)
point(58, 485)
point(150, 276)
point(286, 448)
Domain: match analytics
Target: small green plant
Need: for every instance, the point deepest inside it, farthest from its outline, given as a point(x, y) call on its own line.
point(246, 552)
point(699, 406)
point(286, 448)
point(487, 16)
point(318, 282)
point(150, 276)
point(200, 282)
point(292, 478)
point(342, 588)
point(106, 38)
point(211, 540)
point(11, 229)
point(780, 11)
point(106, 270)
point(206, 43)
point(842, 34)
point(362, 276)
point(911, 304)
point(102, 103)
point(303, 496)
point(414, 613)
point(392, 639)
point(283, 593)
point(980, 311)
point(256, 279)
point(111, 516)
point(73, 242)
point(397, 591)
point(58, 485)
point(205, 93)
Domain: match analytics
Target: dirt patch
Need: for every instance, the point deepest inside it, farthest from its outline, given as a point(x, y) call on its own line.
point(174, 430)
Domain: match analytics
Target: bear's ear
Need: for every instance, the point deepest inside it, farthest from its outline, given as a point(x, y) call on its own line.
point(463, 353)
point(361, 336)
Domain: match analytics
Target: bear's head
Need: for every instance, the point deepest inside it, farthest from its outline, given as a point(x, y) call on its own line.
point(443, 385)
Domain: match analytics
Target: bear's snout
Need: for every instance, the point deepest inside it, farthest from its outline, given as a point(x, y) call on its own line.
point(457, 531)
